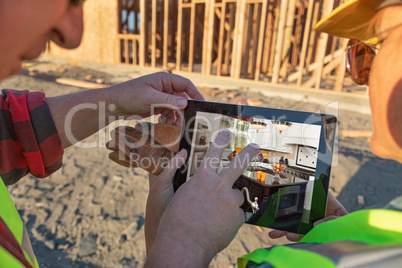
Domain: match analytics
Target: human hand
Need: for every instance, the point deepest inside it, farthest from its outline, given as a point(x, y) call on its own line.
point(160, 90)
point(334, 210)
point(204, 214)
point(160, 193)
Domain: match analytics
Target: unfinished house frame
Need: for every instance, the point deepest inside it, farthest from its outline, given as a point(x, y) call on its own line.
point(273, 41)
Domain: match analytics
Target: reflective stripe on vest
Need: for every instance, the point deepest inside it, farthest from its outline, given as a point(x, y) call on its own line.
point(11, 218)
point(358, 231)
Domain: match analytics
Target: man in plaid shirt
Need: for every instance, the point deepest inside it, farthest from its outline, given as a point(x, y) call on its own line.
point(33, 130)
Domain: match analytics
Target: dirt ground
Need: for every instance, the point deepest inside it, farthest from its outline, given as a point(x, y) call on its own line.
point(91, 212)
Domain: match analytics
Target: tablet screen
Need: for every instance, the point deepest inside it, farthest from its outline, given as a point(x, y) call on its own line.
point(285, 186)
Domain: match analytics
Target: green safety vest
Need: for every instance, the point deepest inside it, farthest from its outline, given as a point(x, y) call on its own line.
point(12, 219)
point(365, 230)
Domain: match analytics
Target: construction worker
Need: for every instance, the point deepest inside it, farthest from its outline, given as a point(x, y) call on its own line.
point(34, 129)
point(366, 238)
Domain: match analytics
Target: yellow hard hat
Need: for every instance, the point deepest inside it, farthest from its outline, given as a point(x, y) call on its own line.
point(347, 19)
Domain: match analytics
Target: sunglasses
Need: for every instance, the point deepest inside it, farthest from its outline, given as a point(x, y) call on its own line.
point(359, 57)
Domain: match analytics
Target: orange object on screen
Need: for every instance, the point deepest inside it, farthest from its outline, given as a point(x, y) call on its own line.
point(261, 176)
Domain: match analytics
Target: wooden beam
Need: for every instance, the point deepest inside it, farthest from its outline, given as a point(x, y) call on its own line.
point(279, 43)
point(261, 40)
point(165, 33)
point(205, 39)
point(307, 31)
point(221, 35)
point(340, 72)
point(274, 38)
point(256, 28)
point(315, 65)
point(191, 46)
point(210, 37)
point(153, 38)
point(312, 42)
point(229, 41)
point(143, 34)
point(79, 83)
point(287, 38)
point(327, 7)
point(179, 35)
point(246, 40)
point(237, 52)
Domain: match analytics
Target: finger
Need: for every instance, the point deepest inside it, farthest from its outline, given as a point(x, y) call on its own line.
point(181, 94)
point(236, 167)
point(181, 84)
point(275, 234)
point(213, 156)
point(171, 118)
point(334, 207)
point(294, 237)
point(151, 179)
point(166, 100)
point(330, 218)
point(166, 176)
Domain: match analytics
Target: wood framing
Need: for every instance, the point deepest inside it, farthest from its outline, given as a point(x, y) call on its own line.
point(269, 40)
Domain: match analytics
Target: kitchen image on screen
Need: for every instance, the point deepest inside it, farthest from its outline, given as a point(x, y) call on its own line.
point(285, 165)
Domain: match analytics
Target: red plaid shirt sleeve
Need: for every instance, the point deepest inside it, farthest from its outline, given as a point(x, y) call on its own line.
point(29, 142)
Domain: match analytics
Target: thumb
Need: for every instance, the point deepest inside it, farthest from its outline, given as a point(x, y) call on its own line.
point(166, 176)
point(170, 99)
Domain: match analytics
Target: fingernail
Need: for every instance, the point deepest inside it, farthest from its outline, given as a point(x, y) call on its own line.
point(182, 153)
point(181, 102)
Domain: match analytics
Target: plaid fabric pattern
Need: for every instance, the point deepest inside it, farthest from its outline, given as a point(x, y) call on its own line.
point(29, 142)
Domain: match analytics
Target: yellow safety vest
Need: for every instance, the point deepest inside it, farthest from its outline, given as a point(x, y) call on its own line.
point(359, 235)
point(11, 218)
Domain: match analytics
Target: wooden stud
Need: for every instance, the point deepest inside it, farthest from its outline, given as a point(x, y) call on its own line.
point(153, 37)
point(261, 40)
point(134, 50)
point(327, 7)
point(179, 35)
point(165, 33)
point(221, 36)
point(246, 40)
point(205, 38)
point(256, 28)
point(287, 38)
point(274, 38)
point(126, 52)
point(237, 53)
point(340, 72)
point(312, 42)
point(305, 41)
point(210, 36)
point(229, 40)
point(191, 45)
point(279, 43)
point(268, 36)
point(143, 34)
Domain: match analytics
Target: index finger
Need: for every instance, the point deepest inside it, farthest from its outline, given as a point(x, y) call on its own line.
point(241, 161)
point(181, 84)
point(213, 156)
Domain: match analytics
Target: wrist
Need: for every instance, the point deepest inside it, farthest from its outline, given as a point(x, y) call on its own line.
point(177, 252)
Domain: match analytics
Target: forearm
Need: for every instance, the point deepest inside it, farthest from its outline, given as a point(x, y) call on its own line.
point(79, 115)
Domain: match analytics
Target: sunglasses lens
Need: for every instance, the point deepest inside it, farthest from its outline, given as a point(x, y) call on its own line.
point(359, 59)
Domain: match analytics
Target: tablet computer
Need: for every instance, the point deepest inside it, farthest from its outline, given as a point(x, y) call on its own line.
point(286, 185)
